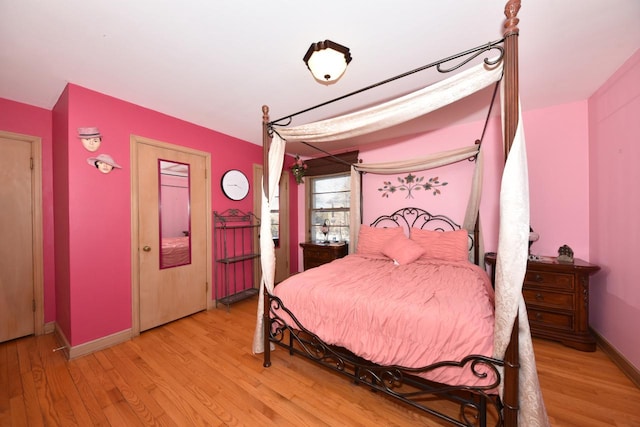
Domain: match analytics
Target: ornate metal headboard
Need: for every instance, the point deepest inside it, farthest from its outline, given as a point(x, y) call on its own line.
point(408, 218)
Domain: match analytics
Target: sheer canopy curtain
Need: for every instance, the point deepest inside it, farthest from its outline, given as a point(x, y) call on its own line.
point(421, 102)
point(358, 123)
point(414, 165)
point(511, 265)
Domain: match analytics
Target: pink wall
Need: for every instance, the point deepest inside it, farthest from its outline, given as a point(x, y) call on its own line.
point(556, 139)
point(33, 121)
point(61, 213)
point(614, 149)
point(87, 266)
point(100, 206)
point(557, 142)
point(452, 199)
point(558, 156)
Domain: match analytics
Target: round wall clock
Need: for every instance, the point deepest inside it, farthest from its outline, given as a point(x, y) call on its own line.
point(235, 184)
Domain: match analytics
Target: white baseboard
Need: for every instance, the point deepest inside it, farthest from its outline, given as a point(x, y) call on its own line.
point(91, 346)
point(629, 370)
point(49, 327)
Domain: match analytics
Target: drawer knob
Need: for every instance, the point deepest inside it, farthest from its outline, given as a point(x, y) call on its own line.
point(539, 297)
point(538, 278)
point(539, 316)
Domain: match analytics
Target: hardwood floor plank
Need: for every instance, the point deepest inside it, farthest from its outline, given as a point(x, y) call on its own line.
point(61, 385)
point(18, 412)
point(200, 371)
point(87, 391)
point(31, 402)
point(25, 348)
point(4, 379)
point(100, 385)
point(13, 370)
point(170, 382)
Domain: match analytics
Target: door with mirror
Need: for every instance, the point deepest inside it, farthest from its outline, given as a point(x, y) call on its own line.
point(171, 201)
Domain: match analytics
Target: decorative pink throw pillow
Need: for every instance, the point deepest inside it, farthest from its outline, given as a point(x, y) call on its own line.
point(402, 250)
point(371, 240)
point(445, 245)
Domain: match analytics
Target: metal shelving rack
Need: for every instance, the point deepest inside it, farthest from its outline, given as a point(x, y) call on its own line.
point(234, 237)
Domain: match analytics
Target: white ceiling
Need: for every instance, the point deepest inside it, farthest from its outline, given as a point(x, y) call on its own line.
point(215, 63)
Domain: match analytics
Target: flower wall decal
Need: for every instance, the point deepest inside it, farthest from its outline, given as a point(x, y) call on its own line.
point(298, 168)
point(412, 183)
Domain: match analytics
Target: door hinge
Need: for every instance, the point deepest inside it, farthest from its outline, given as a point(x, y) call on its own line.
point(206, 286)
point(31, 163)
point(33, 305)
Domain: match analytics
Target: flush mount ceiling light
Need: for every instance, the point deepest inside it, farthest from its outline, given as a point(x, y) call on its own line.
point(327, 61)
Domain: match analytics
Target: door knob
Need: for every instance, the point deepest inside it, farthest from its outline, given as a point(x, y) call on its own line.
point(147, 248)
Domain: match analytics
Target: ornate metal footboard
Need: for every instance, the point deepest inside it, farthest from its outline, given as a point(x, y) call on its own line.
point(473, 403)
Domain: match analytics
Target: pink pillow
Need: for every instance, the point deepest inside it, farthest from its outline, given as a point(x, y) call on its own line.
point(371, 240)
point(402, 250)
point(445, 245)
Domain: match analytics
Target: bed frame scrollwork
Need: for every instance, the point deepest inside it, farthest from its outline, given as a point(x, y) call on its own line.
point(393, 380)
point(470, 405)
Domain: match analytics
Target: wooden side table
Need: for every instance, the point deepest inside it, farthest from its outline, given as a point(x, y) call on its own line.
point(315, 254)
point(557, 299)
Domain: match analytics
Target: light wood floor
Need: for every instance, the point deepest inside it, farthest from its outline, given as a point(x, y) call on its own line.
point(200, 371)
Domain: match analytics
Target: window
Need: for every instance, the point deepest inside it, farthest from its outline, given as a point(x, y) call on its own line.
point(329, 200)
point(275, 218)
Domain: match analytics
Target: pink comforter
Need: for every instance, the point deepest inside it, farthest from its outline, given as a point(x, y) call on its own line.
point(175, 251)
point(408, 315)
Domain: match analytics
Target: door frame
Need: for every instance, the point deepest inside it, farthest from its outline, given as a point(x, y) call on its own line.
point(37, 243)
point(135, 140)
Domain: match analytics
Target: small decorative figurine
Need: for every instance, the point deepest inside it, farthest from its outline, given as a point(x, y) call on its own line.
point(565, 254)
point(533, 237)
point(325, 230)
point(299, 169)
point(103, 162)
point(91, 138)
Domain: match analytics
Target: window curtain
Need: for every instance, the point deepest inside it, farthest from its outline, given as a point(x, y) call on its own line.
point(328, 165)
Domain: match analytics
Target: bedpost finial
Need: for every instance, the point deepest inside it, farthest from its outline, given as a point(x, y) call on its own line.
point(511, 10)
point(265, 113)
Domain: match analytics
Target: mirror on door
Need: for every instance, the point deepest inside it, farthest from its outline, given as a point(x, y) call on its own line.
point(174, 209)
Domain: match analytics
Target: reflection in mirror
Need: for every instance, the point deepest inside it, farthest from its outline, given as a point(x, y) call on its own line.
point(174, 208)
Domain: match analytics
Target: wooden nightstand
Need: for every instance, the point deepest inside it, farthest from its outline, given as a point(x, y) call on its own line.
point(557, 299)
point(315, 254)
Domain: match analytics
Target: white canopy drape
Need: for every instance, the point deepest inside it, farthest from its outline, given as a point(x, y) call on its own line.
point(510, 267)
point(412, 165)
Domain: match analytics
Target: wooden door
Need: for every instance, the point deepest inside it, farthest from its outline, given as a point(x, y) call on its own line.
point(21, 311)
point(167, 294)
point(281, 212)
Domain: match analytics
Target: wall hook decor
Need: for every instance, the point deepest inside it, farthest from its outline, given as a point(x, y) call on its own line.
point(103, 162)
point(90, 137)
point(412, 183)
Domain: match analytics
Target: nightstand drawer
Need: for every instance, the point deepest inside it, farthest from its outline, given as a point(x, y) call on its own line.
point(549, 279)
point(557, 299)
point(536, 297)
point(319, 255)
point(547, 319)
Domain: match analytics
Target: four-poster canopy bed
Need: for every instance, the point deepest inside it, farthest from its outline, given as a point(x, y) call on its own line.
point(503, 383)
